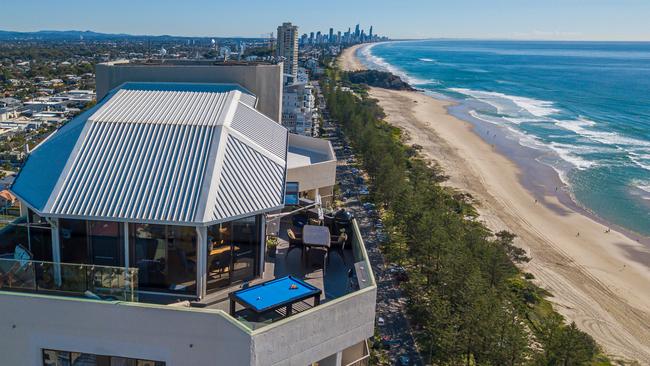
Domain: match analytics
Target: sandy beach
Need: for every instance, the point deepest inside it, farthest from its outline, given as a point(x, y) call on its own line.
point(599, 280)
point(348, 61)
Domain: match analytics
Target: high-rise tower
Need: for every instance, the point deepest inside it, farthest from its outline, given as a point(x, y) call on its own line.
point(288, 48)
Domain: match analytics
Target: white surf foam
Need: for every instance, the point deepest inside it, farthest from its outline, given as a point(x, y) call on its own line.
point(581, 126)
point(521, 137)
point(567, 153)
point(427, 59)
point(381, 64)
point(643, 186)
point(641, 160)
point(507, 104)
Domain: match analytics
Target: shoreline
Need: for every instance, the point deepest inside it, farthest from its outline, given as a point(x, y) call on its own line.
point(536, 170)
point(599, 280)
point(348, 59)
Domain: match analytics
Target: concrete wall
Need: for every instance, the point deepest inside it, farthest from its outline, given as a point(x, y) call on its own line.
point(263, 80)
point(314, 176)
point(317, 333)
point(177, 336)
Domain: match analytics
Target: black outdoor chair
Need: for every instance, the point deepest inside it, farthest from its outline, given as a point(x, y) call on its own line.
point(295, 241)
point(337, 243)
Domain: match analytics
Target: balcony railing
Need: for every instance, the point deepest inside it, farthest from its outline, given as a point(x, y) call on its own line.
point(83, 280)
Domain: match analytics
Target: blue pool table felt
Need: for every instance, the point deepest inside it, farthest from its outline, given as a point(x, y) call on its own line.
point(270, 294)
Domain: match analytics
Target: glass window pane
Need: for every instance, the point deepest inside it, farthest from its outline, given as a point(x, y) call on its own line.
point(182, 258)
point(123, 361)
point(64, 358)
point(149, 254)
point(56, 358)
point(11, 236)
point(246, 242)
point(291, 193)
point(219, 256)
point(106, 242)
point(40, 237)
point(165, 257)
point(41, 242)
point(73, 241)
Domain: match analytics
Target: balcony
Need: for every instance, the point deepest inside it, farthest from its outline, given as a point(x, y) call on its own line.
point(337, 277)
point(67, 279)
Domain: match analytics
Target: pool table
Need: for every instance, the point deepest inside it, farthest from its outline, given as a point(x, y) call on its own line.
point(272, 295)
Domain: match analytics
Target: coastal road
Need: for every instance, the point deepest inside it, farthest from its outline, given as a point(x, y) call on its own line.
point(391, 304)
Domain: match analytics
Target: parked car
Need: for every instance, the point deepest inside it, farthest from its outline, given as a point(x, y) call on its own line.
point(388, 343)
point(404, 360)
point(398, 273)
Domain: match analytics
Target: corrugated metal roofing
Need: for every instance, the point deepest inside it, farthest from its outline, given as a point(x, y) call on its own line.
point(165, 107)
point(174, 156)
point(265, 133)
point(40, 173)
point(249, 182)
point(249, 99)
point(141, 171)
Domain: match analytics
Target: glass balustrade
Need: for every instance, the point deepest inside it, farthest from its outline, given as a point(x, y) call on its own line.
point(85, 280)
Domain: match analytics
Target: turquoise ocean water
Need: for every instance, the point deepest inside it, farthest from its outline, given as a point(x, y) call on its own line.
point(583, 106)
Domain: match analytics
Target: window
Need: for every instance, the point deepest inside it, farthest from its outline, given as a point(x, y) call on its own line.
point(233, 252)
point(165, 257)
point(32, 233)
point(91, 242)
point(40, 237)
point(73, 241)
point(107, 242)
point(291, 194)
point(65, 358)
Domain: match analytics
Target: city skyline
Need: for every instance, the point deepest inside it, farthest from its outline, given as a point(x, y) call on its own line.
point(564, 20)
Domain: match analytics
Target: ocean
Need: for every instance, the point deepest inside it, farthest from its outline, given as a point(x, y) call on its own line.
point(583, 107)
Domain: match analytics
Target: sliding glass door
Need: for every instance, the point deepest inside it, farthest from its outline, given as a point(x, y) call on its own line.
point(246, 242)
point(233, 252)
point(165, 257)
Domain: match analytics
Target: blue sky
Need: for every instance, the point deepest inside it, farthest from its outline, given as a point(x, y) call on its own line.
point(519, 19)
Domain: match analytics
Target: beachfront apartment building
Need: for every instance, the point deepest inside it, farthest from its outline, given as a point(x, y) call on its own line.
point(287, 49)
point(299, 108)
point(146, 216)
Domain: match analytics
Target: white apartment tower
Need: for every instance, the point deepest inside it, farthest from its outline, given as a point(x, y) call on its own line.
point(288, 48)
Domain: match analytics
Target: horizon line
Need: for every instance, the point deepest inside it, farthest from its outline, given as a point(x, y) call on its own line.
point(390, 39)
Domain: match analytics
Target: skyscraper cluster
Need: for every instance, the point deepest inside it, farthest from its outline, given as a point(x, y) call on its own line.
point(359, 35)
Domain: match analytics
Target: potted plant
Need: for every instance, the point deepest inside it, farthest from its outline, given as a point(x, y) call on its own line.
point(271, 246)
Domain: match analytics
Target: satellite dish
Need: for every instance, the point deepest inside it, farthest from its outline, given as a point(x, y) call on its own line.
point(163, 51)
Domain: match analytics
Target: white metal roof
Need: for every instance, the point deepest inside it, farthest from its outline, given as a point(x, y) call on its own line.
point(172, 154)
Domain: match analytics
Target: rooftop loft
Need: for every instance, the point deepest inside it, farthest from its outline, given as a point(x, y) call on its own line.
point(151, 212)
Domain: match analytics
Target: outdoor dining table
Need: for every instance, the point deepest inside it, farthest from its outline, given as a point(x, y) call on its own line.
point(315, 236)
